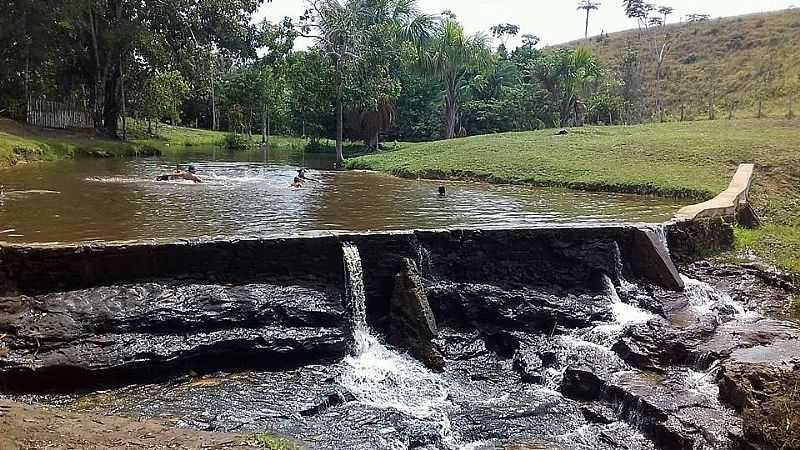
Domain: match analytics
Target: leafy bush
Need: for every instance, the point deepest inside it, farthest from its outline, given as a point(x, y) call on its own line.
point(235, 141)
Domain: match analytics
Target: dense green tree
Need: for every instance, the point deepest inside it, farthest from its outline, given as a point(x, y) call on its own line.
point(363, 40)
point(566, 74)
point(451, 56)
point(162, 96)
point(94, 41)
point(311, 93)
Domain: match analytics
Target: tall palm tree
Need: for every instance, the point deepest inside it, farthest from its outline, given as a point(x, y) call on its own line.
point(566, 74)
point(588, 6)
point(451, 56)
point(345, 30)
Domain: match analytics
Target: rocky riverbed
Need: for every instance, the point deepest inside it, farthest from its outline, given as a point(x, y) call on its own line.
point(504, 355)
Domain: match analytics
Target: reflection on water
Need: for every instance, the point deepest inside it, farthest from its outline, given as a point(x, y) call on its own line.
point(248, 194)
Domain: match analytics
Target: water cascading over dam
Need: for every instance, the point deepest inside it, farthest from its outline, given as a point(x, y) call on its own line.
point(383, 377)
point(546, 338)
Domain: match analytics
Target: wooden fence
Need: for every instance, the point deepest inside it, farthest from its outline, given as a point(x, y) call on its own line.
point(72, 114)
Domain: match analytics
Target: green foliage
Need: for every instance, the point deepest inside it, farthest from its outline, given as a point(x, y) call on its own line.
point(567, 75)
point(451, 57)
point(235, 141)
point(163, 95)
point(312, 94)
point(270, 442)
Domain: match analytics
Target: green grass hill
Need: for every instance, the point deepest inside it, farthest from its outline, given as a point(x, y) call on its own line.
point(738, 58)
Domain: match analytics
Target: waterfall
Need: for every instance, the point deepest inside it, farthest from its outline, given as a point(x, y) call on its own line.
point(355, 297)
point(624, 315)
point(597, 341)
point(703, 298)
point(380, 377)
point(423, 258)
point(661, 233)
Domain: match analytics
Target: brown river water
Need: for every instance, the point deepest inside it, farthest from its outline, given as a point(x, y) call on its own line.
point(248, 195)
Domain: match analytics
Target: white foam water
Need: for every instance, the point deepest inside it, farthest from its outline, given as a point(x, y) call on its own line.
point(383, 378)
point(661, 233)
point(703, 297)
point(624, 314)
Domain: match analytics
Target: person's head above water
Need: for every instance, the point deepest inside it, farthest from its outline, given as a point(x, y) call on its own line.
point(191, 169)
point(301, 172)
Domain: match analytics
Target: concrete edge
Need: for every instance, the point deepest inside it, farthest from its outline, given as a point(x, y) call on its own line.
point(727, 203)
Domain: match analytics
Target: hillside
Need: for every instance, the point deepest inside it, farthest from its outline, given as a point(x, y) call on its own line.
point(738, 57)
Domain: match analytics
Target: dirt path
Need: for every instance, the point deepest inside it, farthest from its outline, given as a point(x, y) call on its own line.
point(26, 427)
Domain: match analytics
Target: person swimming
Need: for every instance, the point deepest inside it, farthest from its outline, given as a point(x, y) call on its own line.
point(301, 174)
point(189, 175)
point(297, 182)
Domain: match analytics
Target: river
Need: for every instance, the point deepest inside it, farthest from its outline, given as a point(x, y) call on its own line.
point(248, 194)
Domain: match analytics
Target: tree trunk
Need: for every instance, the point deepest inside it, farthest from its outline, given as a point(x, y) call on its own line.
point(712, 108)
point(111, 103)
point(790, 114)
point(659, 109)
point(451, 111)
point(339, 132)
point(586, 33)
point(264, 126)
point(683, 113)
point(760, 113)
point(124, 114)
point(339, 115)
point(214, 123)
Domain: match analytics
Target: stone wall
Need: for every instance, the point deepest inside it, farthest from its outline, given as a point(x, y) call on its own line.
point(543, 256)
point(99, 314)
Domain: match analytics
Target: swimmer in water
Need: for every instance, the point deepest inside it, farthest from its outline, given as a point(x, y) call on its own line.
point(301, 174)
point(297, 182)
point(179, 174)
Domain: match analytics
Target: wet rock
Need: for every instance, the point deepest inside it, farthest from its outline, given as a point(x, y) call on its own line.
point(512, 307)
point(745, 334)
point(581, 383)
point(655, 345)
point(412, 325)
point(120, 358)
point(598, 413)
point(755, 286)
point(670, 414)
point(331, 400)
point(767, 394)
point(693, 239)
point(757, 374)
point(530, 365)
point(119, 333)
point(470, 356)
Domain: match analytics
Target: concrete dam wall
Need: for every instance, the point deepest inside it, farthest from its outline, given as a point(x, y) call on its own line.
point(78, 314)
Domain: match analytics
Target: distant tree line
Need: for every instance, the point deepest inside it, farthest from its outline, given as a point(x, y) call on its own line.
point(376, 70)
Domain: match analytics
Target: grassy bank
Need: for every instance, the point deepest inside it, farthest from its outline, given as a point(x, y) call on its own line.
point(172, 139)
point(690, 159)
point(19, 143)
